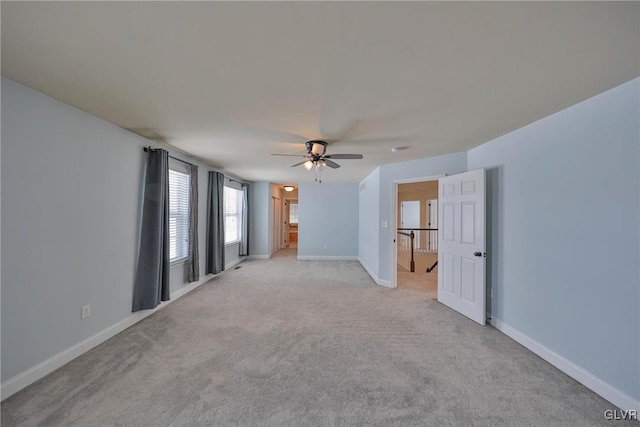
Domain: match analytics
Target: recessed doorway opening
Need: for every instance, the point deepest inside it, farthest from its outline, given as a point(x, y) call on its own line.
point(291, 223)
point(415, 258)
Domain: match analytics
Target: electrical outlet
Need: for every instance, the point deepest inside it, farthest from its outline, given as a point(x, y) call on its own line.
point(86, 311)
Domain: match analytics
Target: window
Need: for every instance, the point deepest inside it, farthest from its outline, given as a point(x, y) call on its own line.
point(293, 213)
point(232, 214)
point(178, 213)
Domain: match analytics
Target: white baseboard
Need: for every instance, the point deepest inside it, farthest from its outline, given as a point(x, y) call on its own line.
point(233, 263)
point(597, 385)
point(259, 257)
point(33, 374)
point(326, 258)
point(385, 283)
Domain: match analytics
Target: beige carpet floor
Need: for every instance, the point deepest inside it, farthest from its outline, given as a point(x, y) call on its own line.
point(306, 343)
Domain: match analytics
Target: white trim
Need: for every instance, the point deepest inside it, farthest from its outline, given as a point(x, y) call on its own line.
point(178, 262)
point(393, 282)
point(592, 382)
point(259, 257)
point(385, 283)
point(326, 258)
point(419, 179)
point(33, 374)
point(233, 263)
point(375, 278)
point(185, 290)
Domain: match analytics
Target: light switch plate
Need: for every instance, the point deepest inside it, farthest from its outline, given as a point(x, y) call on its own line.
point(86, 311)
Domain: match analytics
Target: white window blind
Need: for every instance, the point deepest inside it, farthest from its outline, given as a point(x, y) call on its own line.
point(293, 213)
point(232, 214)
point(178, 214)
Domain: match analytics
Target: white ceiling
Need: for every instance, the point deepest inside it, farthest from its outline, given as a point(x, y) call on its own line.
point(233, 82)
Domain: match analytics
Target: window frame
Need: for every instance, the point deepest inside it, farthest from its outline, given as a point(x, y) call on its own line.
point(183, 169)
point(238, 214)
point(297, 205)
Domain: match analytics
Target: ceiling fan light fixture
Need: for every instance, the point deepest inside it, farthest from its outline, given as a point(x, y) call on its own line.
point(289, 188)
point(308, 165)
point(318, 148)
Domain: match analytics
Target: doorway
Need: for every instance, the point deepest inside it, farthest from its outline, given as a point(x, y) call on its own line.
point(290, 231)
point(416, 242)
point(277, 221)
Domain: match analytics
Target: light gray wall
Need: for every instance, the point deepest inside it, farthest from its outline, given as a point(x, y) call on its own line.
point(328, 215)
point(71, 192)
point(231, 255)
point(564, 196)
point(368, 221)
point(259, 237)
point(448, 164)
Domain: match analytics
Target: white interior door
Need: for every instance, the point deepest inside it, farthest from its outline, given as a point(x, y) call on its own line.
point(461, 238)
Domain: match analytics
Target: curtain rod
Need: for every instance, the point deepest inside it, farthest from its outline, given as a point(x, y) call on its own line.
point(146, 149)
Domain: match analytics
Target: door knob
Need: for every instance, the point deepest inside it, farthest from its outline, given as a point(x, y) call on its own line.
point(478, 254)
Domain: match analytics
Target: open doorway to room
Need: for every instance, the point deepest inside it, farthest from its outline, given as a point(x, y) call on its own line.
point(291, 223)
point(277, 224)
point(416, 254)
point(288, 237)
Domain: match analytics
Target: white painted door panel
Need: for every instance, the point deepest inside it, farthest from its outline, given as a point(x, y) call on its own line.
point(461, 252)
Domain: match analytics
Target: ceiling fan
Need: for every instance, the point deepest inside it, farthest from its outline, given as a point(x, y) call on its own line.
point(316, 157)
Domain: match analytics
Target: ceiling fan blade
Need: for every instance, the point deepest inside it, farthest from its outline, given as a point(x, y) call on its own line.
point(270, 135)
point(343, 156)
point(331, 164)
point(289, 155)
point(299, 163)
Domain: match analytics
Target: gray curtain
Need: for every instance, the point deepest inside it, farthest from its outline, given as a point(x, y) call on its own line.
point(152, 275)
point(193, 262)
point(215, 223)
point(244, 227)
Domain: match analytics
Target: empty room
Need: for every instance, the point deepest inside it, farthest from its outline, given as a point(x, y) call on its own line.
point(320, 213)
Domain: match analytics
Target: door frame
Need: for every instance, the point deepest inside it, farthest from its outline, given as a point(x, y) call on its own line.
point(276, 234)
point(284, 237)
point(394, 220)
point(286, 204)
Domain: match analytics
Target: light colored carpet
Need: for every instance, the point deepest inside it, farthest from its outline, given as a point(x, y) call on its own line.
point(285, 342)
